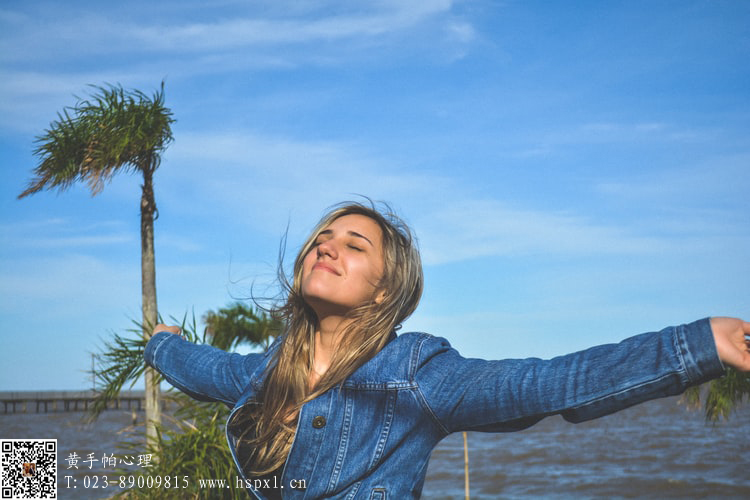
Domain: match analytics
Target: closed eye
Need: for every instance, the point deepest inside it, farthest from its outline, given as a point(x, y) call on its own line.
point(318, 242)
point(354, 247)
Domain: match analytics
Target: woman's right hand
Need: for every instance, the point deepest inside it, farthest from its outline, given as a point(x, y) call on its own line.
point(732, 337)
point(164, 328)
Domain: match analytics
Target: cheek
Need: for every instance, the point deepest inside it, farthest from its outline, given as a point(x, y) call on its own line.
point(308, 262)
point(371, 276)
point(377, 270)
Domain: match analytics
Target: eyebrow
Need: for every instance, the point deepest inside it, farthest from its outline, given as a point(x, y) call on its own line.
point(351, 233)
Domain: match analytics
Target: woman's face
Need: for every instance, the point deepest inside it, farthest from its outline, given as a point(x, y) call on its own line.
point(343, 268)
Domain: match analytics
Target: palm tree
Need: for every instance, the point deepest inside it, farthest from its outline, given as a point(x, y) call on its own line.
point(240, 324)
point(193, 444)
point(112, 131)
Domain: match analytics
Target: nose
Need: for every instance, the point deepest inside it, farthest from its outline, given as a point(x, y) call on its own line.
point(328, 248)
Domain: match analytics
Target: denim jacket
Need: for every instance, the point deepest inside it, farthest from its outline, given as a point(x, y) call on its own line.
point(372, 436)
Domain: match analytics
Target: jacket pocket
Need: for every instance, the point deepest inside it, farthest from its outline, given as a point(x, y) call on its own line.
point(378, 494)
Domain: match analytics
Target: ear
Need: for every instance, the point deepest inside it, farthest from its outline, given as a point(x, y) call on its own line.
point(380, 296)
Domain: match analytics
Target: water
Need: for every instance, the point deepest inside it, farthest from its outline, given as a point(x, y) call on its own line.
point(655, 450)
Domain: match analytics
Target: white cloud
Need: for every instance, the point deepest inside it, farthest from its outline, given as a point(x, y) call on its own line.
point(262, 177)
point(254, 174)
point(469, 228)
point(264, 182)
point(711, 179)
point(57, 283)
point(619, 132)
point(33, 98)
point(246, 32)
point(93, 33)
point(57, 233)
point(131, 51)
point(76, 241)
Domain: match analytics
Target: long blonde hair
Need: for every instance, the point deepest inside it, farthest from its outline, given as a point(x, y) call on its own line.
point(270, 425)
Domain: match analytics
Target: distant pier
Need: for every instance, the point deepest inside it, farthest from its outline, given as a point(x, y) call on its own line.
point(61, 401)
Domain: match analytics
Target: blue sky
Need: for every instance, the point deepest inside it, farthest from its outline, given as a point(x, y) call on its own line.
point(576, 172)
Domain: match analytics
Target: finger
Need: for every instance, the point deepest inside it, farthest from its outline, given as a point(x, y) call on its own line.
point(164, 328)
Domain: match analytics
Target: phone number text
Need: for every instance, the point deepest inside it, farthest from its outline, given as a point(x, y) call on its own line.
point(91, 482)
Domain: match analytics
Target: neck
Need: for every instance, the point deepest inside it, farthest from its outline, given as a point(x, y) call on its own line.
point(327, 338)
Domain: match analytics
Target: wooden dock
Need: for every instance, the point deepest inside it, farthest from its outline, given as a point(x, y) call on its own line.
point(59, 401)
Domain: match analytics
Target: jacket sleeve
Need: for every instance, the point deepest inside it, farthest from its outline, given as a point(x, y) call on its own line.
point(201, 371)
point(509, 395)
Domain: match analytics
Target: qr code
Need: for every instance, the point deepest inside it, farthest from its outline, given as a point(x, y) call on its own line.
point(28, 468)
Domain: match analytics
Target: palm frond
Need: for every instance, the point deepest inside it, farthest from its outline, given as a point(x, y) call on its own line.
point(238, 324)
point(120, 362)
point(191, 444)
point(112, 130)
point(62, 149)
point(721, 396)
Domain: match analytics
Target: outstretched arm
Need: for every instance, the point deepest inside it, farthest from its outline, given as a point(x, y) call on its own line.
point(732, 337)
point(511, 394)
point(201, 371)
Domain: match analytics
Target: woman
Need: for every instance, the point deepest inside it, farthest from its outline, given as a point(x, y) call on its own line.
point(342, 407)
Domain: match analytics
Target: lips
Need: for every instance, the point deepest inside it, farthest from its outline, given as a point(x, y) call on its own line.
point(325, 267)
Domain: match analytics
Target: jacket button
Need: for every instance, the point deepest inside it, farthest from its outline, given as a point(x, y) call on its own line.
point(319, 422)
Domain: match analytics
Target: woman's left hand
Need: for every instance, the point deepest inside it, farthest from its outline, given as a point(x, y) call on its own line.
point(732, 337)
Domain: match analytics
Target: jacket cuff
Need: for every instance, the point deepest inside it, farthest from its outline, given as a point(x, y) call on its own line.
point(697, 348)
point(149, 354)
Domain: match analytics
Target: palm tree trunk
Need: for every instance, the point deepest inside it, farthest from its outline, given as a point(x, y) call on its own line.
point(148, 295)
point(466, 468)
